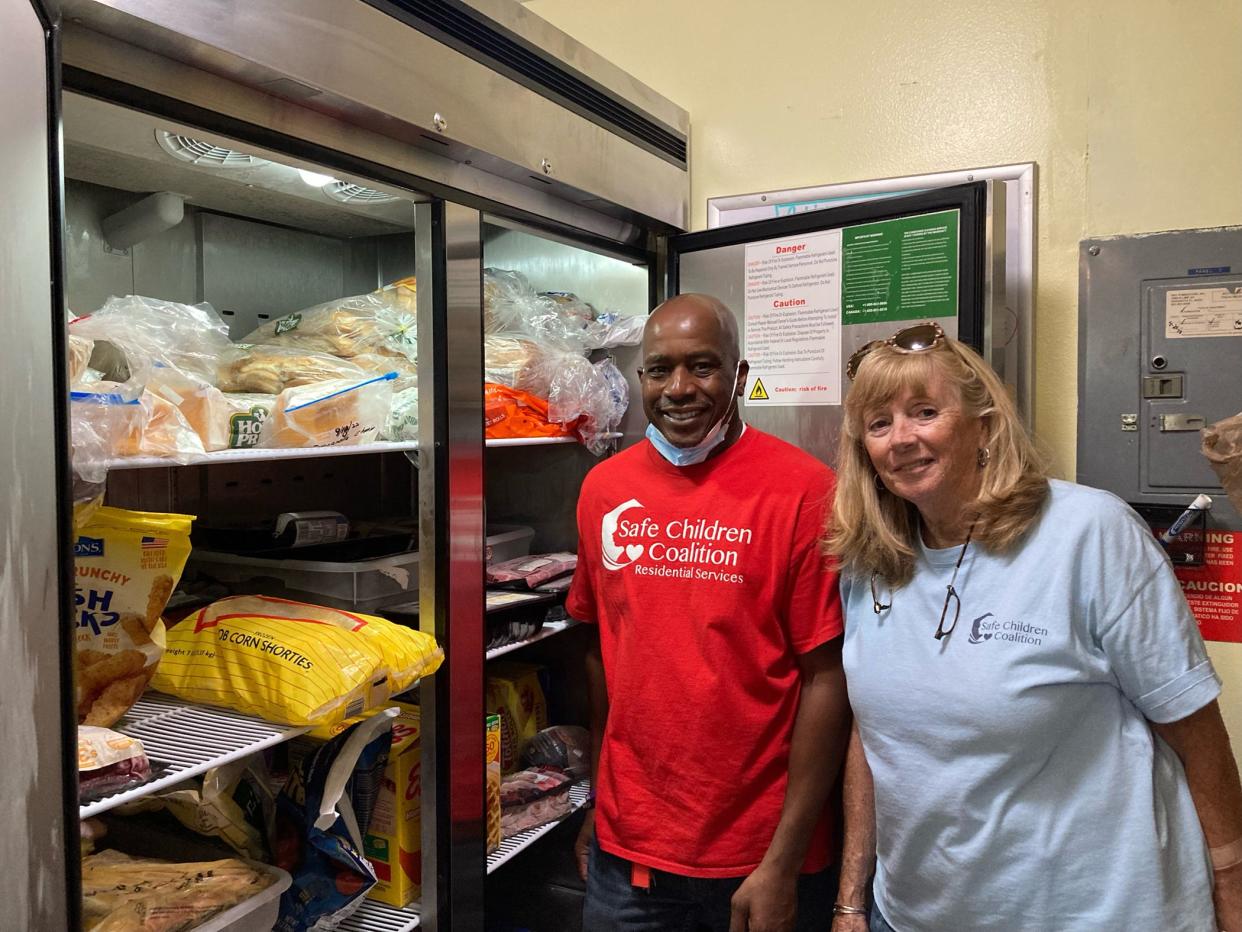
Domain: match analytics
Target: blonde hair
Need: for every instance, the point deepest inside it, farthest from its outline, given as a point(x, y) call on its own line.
point(873, 531)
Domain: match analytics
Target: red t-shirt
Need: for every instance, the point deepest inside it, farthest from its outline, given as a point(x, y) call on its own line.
point(706, 582)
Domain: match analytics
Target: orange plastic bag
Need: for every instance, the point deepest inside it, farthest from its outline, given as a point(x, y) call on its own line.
point(511, 412)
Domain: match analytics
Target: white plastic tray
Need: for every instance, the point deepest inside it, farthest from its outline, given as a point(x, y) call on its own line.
point(257, 914)
point(513, 846)
point(184, 740)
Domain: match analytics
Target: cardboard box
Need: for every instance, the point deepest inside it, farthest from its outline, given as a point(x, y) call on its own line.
point(515, 694)
point(393, 843)
point(492, 735)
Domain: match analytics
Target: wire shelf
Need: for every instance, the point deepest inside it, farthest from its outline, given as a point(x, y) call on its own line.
point(514, 845)
point(374, 916)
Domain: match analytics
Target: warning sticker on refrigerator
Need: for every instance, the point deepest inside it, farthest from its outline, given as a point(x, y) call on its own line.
point(793, 321)
point(1214, 590)
point(1203, 312)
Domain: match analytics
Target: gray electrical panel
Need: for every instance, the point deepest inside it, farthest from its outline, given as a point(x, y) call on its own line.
point(1159, 358)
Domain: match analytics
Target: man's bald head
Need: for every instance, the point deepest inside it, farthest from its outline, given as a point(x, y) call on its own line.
point(690, 312)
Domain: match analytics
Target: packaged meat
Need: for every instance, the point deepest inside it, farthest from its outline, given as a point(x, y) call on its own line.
point(331, 413)
point(533, 797)
point(126, 565)
point(291, 662)
point(515, 694)
point(319, 829)
point(108, 761)
point(533, 570)
point(271, 369)
point(127, 894)
point(563, 747)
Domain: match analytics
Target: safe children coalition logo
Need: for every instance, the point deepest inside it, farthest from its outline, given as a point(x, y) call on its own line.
point(988, 626)
point(681, 547)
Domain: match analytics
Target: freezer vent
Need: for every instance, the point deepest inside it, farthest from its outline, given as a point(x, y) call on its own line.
point(206, 154)
point(349, 193)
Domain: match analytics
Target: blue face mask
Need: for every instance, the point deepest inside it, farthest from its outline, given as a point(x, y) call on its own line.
point(691, 456)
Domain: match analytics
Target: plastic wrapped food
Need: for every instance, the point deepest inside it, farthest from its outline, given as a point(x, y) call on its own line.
point(163, 431)
point(322, 816)
point(517, 361)
point(406, 370)
point(141, 333)
point(533, 797)
point(403, 417)
point(533, 570)
point(593, 398)
point(328, 414)
point(383, 322)
point(610, 330)
point(126, 894)
point(565, 747)
point(100, 422)
point(80, 349)
point(109, 761)
point(126, 564)
point(271, 369)
point(511, 412)
point(221, 420)
point(292, 662)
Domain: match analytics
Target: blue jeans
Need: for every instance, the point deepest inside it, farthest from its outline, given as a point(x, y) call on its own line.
point(878, 923)
point(674, 903)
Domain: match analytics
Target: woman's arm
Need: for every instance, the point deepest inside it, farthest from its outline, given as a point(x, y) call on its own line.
point(1202, 743)
point(858, 852)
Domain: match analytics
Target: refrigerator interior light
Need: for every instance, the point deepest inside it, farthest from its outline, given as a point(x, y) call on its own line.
point(315, 179)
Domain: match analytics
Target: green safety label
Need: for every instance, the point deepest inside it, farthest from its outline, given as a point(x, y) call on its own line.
point(902, 269)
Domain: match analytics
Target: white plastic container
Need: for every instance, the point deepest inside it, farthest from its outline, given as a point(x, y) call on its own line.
point(257, 914)
point(508, 542)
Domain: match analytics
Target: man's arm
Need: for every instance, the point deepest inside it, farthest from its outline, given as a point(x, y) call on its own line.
point(597, 696)
point(858, 852)
point(1202, 743)
point(767, 900)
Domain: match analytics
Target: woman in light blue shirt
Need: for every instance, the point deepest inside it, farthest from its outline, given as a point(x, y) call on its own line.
point(1037, 743)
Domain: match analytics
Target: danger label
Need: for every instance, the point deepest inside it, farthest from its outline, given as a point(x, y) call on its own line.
point(1214, 590)
point(758, 392)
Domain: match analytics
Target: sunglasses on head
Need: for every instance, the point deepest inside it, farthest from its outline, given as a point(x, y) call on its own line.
point(914, 339)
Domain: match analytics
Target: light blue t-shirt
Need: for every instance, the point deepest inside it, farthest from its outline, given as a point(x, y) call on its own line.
point(1018, 785)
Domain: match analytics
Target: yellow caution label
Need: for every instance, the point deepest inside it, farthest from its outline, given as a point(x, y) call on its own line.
point(758, 392)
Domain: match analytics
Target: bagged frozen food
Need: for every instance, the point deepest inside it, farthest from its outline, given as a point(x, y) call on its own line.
point(292, 662)
point(375, 364)
point(514, 693)
point(221, 420)
point(162, 431)
point(504, 293)
point(271, 369)
point(564, 747)
point(126, 565)
point(381, 322)
point(80, 349)
point(533, 797)
point(329, 414)
point(133, 334)
point(510, 413)
point(322, 816)
point(532, 570)
point(402, 422)
point(109, 761)
point(590, 397)
point(101, 422)
point(126, 894)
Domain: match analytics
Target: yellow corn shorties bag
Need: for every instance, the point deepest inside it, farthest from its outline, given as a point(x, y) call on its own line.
point(291, 662)
point(126, 565)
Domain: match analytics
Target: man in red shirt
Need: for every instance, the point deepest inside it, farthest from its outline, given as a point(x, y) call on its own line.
point(718, 702)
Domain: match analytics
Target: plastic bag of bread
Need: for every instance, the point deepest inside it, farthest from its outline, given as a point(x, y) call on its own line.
point(291, 662)
point(126, 565)
point(403, 417)
point(406, 370)
point(127, 894)
point(329, 414)
point(381, 322)
point(80, 349)
point(100, 422)
point(510, 413)
point(162, 431)
point(270, 370)
point(222, 420)
point(517, 361)
point(133, 334)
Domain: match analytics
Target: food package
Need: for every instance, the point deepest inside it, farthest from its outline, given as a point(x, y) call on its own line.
point(557, 320)
point(127, 894)
point(590, 397)
point(402, 417)
point(109, 761)
point(271, 369)
point(80, 349)
point(126, 564)
point(375, 364)
point(504, 294)
point(533, 797)
point(322, 815)
point(1222, 445)
point(516, 696)
point(518, 362)
point(101, 422)
point(510, 412)
point(291, 662)
point(382, 322)
point(332, 413)
point(221, 420)
point(532, 570)
point(134, 334)
point(492, 759)
point(393, 843)
point(162, 431)
point(565, 747)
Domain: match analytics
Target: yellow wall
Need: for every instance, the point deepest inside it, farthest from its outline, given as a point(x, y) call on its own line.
point(1130, 108)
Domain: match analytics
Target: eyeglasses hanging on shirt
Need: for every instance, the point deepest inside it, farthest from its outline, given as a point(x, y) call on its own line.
point(950, 595)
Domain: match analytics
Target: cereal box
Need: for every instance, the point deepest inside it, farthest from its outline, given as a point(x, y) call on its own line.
point(393, 843)
point(492, 758)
